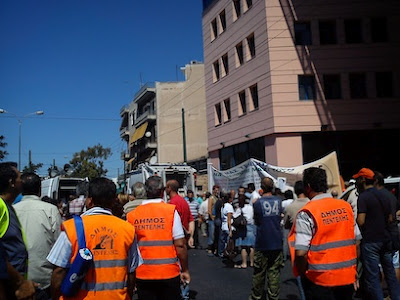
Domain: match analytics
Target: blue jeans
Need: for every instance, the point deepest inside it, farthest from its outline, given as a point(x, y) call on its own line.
point(372, 254)
point(223, 239)
point(210, 240)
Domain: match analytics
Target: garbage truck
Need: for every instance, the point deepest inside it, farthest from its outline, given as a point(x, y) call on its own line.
point(60, 188)
point(184, 174)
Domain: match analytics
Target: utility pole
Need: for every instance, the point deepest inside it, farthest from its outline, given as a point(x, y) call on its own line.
point(184, 135)
point(30, 160)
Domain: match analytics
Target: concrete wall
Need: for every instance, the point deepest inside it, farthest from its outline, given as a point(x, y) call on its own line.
point(281, 116)
point(171, 98)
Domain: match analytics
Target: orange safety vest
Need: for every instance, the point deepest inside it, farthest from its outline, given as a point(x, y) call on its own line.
point(153, 225)
point(110, 239)
point(332, 254)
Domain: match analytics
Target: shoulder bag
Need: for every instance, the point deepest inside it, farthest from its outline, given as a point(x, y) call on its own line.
point(79, 267)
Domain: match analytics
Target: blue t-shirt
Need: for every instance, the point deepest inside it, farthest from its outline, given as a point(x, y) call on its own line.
point(267, 217)
point(13, 243)
point(376, 206)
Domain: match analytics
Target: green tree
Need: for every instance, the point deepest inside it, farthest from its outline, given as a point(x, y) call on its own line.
point(90, 162)
point(3, 144)
point(32, 168)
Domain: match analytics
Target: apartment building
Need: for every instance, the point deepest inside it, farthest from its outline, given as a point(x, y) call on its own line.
point(290, 81)
point(166, 122)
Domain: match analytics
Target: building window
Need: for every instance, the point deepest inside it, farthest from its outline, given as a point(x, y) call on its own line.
point(217, 114)
point(358, 88)
point(216, 75)
point(353, 31)
point(306, 87)
point(332, 86)
point(222, 19)
point(239, 54)
point(384, 84)
point(254, 97)
point(132, 118)
point(225, 64)
point(302, 33)
point(236, 9)
point(251, 47)
point(379, 32)
point(327, 32)
point(227, 110)
point(214, 29)
point(234, 155)
point(242, 103)
point(247, 5)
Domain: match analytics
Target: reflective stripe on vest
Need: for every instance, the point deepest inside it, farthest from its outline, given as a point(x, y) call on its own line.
point(104, 286)
point(155, 243)
point(332, 245)
point(110, 263)
point(333, 266)
point(161, 261)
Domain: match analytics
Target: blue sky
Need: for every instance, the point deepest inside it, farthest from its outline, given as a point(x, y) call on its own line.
point(80, 62)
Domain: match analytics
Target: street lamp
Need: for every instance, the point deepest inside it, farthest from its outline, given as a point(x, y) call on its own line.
point(20, 119)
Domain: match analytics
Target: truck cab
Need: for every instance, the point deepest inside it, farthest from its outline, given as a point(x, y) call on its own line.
point(60, 188)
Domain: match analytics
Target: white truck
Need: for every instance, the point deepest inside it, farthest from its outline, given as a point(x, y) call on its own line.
point(184, 174)
point(60, 188)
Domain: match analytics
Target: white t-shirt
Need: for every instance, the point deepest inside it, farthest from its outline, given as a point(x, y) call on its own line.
point(254, 196)
point(204, 209)
point(248, 213)
point(286, 203)
point(225, 210)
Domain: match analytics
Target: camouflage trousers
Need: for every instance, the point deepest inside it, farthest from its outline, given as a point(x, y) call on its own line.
point(267, 265)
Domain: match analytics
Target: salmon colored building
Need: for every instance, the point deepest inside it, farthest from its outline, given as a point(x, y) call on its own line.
point(289, 81)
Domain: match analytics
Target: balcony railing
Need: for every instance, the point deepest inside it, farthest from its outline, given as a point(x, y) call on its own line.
point(148, 85)
point(124, 132)
point(124, 109)
point(147, 115)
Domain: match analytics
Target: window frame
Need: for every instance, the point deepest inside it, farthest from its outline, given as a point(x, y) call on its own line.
point(304, 76)
point(326, 38)
point(326, 87)
point(239, 58)
point(297, 32)
point(242, 103)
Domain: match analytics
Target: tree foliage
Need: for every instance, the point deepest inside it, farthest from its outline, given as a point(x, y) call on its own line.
point(90, 162)
point(3, 153)
point(32, 168)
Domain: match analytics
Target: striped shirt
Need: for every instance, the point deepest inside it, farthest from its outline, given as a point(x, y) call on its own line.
point(61, 252)
point(194, 207)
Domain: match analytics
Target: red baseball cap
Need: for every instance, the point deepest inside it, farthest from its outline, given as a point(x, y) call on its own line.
point(366, 173)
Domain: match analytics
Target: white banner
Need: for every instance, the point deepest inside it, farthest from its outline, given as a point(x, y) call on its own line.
point(253, 170)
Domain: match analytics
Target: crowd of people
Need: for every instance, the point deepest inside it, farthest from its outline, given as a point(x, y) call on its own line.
point(340, 247)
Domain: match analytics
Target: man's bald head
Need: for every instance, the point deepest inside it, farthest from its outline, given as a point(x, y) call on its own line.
point(267, 185)
point(173, 185)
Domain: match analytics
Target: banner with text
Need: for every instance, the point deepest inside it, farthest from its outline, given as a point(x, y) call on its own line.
point(253, 170)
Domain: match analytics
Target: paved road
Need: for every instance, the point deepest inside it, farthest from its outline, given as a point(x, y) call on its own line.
point(213, 279)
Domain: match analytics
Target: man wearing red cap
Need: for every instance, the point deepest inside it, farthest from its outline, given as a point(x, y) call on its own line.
point(374, 211)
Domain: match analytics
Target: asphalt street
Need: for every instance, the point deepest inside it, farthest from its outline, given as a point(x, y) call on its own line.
point(214, 279)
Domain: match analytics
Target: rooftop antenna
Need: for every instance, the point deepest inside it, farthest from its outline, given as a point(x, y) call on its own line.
point(141, 80)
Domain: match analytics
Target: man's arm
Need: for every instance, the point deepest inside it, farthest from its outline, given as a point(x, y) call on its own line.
point(24, 289)
point(210, 203)
point(361, 219)
point(131, 284)
point(56, 279)
point(191, 233)
point(300, 261)
point(181, 251)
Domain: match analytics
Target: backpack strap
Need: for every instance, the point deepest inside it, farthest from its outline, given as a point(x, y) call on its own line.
point(80, 232)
